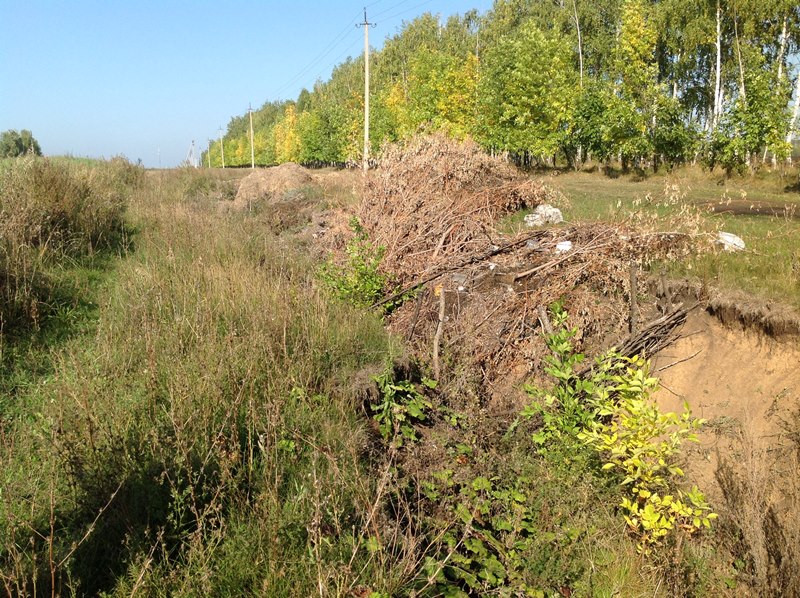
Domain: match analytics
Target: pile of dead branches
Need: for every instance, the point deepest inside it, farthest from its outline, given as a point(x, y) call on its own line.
point(479, 295)
point(435, 200)
point(485, 309)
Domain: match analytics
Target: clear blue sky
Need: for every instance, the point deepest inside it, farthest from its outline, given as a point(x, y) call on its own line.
point(106, 77)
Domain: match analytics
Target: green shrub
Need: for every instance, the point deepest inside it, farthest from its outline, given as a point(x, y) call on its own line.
point(359, 281)
point(52, 211)
point(611, 410)
point(401, 405)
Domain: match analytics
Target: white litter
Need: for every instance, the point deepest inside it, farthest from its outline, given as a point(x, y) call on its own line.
point(730, 242)
point(544, 214)
point(563, 246)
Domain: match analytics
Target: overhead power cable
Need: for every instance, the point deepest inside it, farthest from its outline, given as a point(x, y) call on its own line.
point(340, 37)
point(402, 12)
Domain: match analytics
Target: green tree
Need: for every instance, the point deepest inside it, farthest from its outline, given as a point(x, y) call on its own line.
point(526, 90)
point(13, 144)
point(287, 142)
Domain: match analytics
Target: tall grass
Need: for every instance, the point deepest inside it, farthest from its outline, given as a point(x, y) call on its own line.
point(51, 212)
point(207, 439)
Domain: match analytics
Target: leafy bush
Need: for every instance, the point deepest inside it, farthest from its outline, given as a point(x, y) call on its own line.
point(401, 405)
point(642, 444)
point(359, 281)
point(51, 211)
point(611, 410)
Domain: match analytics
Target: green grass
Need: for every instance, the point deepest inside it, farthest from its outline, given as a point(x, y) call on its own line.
point(205, 407)
point(192, 421)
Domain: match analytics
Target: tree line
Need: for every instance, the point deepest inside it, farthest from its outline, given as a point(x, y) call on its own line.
point(18, 143)
point(644, 82)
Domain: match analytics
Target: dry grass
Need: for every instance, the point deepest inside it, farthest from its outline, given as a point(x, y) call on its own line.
point(51, 212)
point(210, 419)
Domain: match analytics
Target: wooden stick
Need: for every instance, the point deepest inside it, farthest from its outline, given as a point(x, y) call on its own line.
point(634, 310)
point(545, 321)
point(420, 300)
point(437, 370)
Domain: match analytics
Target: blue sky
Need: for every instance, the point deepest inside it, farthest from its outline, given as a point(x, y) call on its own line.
point(145, 78)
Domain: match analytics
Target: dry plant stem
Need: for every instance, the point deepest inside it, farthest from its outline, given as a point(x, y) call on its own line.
point(685, 359)
point(148, 561)
point(437, 339)
point(634, 305)
point(465, 262)
point(382, 485)
point(91, 526)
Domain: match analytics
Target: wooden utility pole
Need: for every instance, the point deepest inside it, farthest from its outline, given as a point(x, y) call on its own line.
point(221, 147)
point(252, 145)
point(208, 154)
point(366, 25)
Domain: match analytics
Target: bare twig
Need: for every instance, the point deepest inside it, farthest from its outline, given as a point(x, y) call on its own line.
point(91, 526)
point(674, 363)
point(437, 339)
point(634, 311)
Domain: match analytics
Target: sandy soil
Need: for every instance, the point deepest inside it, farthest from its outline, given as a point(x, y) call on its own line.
point(747, 386)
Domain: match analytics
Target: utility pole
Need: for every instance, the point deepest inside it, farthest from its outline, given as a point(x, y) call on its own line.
point(208, 153)
point(190, 157)
point(366, 25)
point(221, 147)
point(252, 145)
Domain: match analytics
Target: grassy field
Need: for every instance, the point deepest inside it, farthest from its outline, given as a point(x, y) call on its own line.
point(196, 418)
point(770, 266)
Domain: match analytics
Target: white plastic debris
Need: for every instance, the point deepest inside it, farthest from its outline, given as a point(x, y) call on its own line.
point(492, 266)
point(563, 246)
point(730, 242)
point(544, 214)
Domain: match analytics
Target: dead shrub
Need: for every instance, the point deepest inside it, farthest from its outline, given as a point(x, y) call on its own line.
point(433, 205)
point(760, 492)
point(437, 198)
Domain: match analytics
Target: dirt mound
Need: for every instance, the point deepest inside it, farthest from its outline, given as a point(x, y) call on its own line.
point(747, 386)
point(271, 184)
point(741, 310)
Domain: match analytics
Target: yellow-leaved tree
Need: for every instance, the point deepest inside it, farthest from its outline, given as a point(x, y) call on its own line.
point(287, 141)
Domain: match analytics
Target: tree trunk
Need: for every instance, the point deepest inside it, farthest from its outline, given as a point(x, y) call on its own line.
point(795, 112)
point(742, 90)
point(580, 39)
point(782, 48)
point(718, 71)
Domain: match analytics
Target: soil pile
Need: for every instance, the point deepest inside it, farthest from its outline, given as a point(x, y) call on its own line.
point(272, 184)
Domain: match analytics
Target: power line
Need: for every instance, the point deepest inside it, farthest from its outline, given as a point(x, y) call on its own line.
point(390, 9)
point(402, 12)
point(327, 50)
